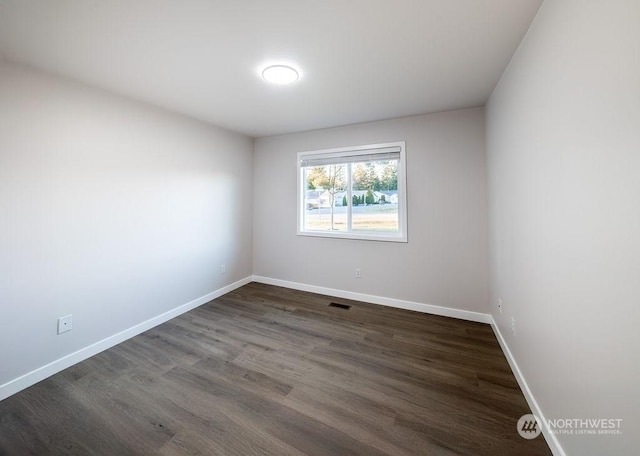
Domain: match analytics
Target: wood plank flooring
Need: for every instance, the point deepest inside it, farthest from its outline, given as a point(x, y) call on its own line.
point(271, 371)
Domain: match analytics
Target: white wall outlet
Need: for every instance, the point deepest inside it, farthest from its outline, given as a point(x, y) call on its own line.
point(500, 305)
point(65, 324)
point(513, 325)
point(358, 273)
point(223, 269)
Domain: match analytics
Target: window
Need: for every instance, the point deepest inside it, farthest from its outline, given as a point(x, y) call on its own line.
point(353, 192)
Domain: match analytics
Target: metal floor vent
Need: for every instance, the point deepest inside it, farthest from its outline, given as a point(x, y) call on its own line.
point(340, 306)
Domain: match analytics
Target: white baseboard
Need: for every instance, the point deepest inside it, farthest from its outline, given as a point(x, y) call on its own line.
point(391, 302)
point(550, 437)
point(33, 377)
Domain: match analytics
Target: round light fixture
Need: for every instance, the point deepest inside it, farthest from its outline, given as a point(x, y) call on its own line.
point(280, 74)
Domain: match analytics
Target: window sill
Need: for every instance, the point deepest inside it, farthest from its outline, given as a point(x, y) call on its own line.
point(363, 236)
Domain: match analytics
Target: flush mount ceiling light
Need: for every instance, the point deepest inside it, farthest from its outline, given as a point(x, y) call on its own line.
point(280, 74)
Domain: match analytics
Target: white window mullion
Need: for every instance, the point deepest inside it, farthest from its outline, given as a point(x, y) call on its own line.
point(349, 198)
point(302, 189)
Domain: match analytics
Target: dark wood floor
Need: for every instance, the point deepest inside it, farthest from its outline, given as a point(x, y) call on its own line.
point(267, 370)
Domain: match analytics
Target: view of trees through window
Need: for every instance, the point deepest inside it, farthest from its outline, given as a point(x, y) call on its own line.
point(366, 190)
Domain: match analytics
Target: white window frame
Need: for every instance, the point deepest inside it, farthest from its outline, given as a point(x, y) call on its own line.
point(370, 149)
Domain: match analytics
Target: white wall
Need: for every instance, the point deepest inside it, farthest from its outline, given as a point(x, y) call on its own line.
point(563, 141)
point(110, 210)
point(444, 263)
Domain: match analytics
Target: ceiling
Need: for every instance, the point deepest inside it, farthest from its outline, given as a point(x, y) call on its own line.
point(360, 60)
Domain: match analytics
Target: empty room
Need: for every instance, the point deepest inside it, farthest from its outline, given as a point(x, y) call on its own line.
point(320, 227)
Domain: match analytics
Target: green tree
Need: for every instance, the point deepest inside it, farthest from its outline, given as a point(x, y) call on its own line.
point(364, 176)
point(370, 199)
point(317, 178)
point(389, 179)
point(344, 200)
point(355, 200)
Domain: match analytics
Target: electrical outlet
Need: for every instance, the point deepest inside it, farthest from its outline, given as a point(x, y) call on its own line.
point(513, 326)
point(500, 305)
point(358, 273)
point(223, 269)
point(65, 324)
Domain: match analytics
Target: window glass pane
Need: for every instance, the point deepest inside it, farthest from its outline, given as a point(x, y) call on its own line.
point(374, 190)
point(324, 203)
point(353, 192)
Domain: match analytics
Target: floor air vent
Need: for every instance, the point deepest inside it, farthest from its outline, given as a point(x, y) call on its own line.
point(340, 306)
